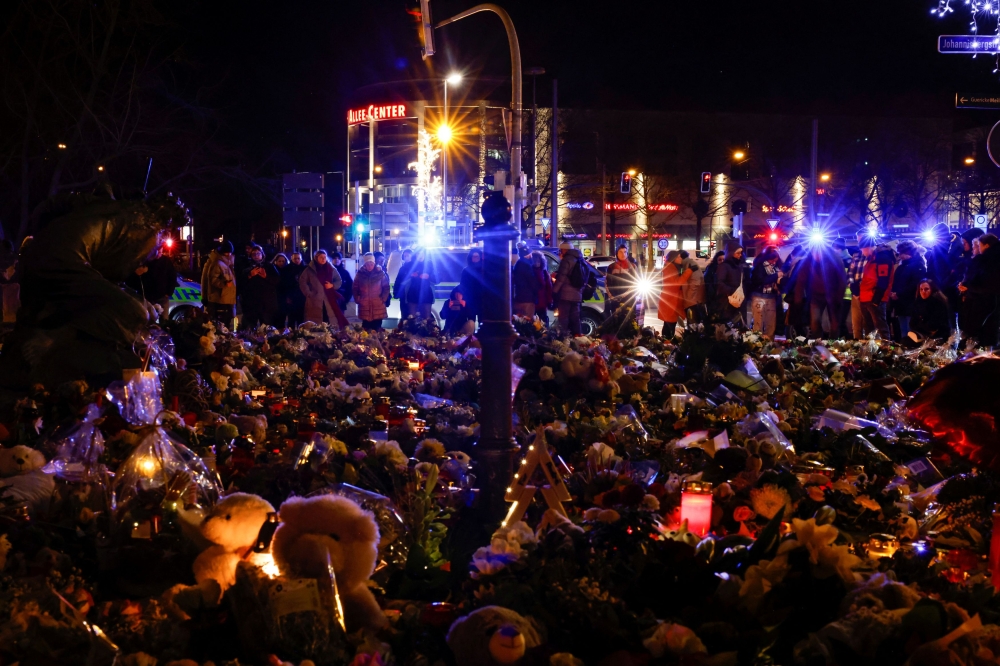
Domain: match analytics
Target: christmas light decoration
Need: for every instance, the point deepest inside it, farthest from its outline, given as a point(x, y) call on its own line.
point(521, 491)
point(984, 18)
point(428, 188)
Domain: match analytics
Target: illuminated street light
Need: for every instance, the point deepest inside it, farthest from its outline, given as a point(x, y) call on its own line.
point(284, 233)
point(378, 169)
point(61, 146)
point(454, 78)
point(444, 134)
point(824, 177)
point(969, 161)
point(631, 172)
point(738, 155)
point(100, 168)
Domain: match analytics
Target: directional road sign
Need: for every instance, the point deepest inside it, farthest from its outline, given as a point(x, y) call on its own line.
point(968, 44)
point(967, 101)
point(662, 243)
point(980, 221)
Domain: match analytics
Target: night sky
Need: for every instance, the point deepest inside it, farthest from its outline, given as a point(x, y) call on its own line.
point(284, 71)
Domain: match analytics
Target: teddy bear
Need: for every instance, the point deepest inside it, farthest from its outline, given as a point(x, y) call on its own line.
point(23, 478)
point(310, 528)
point(255, 426)
point(492, 635)
point(232, 527)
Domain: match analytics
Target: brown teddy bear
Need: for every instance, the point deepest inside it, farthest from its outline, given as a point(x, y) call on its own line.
point(232, 528)
point(492, 635)
point(310, 528)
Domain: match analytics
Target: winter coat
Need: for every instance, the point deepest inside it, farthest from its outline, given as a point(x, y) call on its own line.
point(930, 316)
point(761, 279)
point(544, 299)
point(418, 289)
point(671, 303)
point(563, 289)
point(292, 298)
point(346, 288)
point(982, 281)
point(454, 317)
point(694, 290)
point(471, 285)
point(728, 278)
point(905, 281)
point(259, 293)
point(370, 290)
point(711, 279)
point(317, 296)
point(825, 277)
point(402, 282)
point(158, 282)
point(218, 284)
point(525, 284)
point(876, 281)
point(620, 280)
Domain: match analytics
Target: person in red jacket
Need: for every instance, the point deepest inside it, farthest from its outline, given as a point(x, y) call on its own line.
point(876, 285)
point(671, 304)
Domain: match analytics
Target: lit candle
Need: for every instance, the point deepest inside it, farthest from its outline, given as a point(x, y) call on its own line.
point(696, 506)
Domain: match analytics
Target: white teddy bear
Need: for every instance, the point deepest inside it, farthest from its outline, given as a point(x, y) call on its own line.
point(23, 478)
point(232, 527)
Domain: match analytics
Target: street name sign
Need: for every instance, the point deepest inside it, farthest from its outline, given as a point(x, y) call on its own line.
point(965, 101)
point(968, 44)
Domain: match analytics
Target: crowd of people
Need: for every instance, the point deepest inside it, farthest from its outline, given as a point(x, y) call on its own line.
point(908, 293)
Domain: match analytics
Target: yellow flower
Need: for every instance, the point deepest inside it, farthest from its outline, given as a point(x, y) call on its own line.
point(770, 499)
point(813, 537)
point(840, 560)
point(867, 502)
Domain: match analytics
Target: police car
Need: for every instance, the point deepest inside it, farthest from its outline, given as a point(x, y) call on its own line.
point(185, 300)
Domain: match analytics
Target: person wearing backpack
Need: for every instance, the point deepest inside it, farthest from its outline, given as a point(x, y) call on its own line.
point(571, 278)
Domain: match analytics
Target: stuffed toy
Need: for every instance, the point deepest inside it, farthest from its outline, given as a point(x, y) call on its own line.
point(232, 528)
point(490, 636)
point(310, 528)
point(23, 478)
point(255, 426)
point(637, 383)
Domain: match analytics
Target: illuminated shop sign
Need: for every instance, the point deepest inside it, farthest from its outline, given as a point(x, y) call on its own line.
point(656, 208)
point(780, 209)
point(586, 205)
point(376, 112)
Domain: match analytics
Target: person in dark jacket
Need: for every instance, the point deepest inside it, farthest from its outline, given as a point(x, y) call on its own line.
point(981, 294)
point(728, 280)
point(711, 276)
point(471, 283)
point(456, 315)
point(544, 300)
point(525, 284)
point(319, 282)
point(568, 296)
point(875, 286)
point(821, 281)
point(156, 281)
point(619, 280)
point(292, 298)
point(929, 314)
point(402, 280)
point(371, 289)
point(940, 241)
point(346, 289)
point(259, 285)
point(764, 292)
point(280, 263)
point(420, 282)
point(912, 269)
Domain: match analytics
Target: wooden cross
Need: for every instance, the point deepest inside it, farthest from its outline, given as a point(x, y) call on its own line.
point(521, 491)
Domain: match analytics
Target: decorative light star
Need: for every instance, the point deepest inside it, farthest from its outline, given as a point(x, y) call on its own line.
point(521, 491)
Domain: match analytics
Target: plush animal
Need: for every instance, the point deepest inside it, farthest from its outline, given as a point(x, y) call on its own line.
point(255, 426)
point(232, 528)
point(491, 636)
point(637, 383)
point(575, 366)
point(23, 478)
point(310, 528)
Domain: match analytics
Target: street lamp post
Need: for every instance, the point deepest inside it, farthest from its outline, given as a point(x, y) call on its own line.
point(496, 447)
point(445, 135)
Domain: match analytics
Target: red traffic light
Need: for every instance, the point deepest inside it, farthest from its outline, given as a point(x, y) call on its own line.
point(773, 236)
point(706, 182)
point(626, 184)
point(346, 219)
point(168, 242)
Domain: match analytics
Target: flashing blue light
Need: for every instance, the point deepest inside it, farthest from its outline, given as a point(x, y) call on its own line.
point(817, 237)
point(361, 228)
point(929, 236)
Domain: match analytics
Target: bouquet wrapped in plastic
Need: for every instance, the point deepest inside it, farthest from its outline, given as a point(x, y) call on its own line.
point(138, 398)
point(82, 495)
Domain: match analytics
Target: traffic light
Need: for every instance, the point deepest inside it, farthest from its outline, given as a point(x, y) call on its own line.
point(426, 30)
point(706, 182)
point(739, 206)
point(626, 185)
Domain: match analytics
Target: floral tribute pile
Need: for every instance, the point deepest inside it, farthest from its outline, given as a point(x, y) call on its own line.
point(734, 500)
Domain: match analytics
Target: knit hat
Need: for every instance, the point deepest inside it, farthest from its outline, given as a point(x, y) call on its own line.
point(366, 256)
point(565, 245)
point(910, 248)
point(673, 254)
point(731, 246)
point(940, 231)
point(972, 234)
point(225, 247)
point(523, 250)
